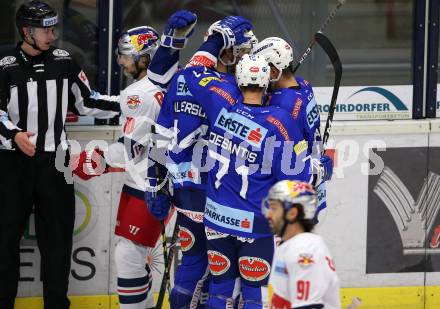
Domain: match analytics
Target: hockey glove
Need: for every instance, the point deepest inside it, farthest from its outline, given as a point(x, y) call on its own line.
point(233, 30)
point(89, 163)
point(322, 169)
point(327, 164)
point(158, 204)
point(178, 29)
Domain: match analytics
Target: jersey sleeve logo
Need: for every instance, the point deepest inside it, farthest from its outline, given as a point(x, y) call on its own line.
point(133, 101)
point(7, 60)
point(206, 80)
point(305, 260)
point(241, 127)
point(201, 60)
point(182, 87)
point(297, 108)
point(224, 94)
point(312, 113)
point(300, 147)
point(60, 53)
point(280, 127)
point(83, 77)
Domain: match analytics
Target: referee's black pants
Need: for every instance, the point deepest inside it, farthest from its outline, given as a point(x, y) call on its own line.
point(34, 181)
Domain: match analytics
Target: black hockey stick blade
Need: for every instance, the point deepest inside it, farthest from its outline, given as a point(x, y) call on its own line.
point(331, 52)
point(167, 267)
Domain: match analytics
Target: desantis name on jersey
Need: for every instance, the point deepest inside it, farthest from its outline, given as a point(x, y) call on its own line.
point(189, 108)
point(232, 147)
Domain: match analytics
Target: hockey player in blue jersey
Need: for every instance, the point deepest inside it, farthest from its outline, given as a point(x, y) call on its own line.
point(151, 66)
point(295, 94)
point(253, 147)
point(183, 116)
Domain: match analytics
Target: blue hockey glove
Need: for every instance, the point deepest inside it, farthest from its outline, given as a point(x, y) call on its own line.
point(158, 204)
point(178, 29)
point(233, 30)
point(327, 164)
point(322, 169)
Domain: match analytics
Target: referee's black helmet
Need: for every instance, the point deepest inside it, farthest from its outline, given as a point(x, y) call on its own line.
point(35, 14)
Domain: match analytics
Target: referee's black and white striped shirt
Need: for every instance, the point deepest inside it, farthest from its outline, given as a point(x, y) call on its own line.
point(36, 92)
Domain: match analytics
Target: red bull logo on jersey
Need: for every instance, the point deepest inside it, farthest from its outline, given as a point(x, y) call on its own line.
point(133, 101)
point(186, 239)
point(253, 268)
point(218, 263)
point(305, 260)
point(241, 127)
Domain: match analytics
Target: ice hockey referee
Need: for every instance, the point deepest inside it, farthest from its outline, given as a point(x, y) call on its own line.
point(38, 84)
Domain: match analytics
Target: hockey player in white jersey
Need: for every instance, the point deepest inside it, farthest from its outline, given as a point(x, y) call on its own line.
point(140, 102)
point(303, 272)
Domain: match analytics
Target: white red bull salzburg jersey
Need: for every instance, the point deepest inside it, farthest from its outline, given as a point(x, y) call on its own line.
point(304, 274)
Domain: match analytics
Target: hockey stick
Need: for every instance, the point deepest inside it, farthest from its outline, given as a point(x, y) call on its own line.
point(313, 41)
point(168, 259)
point(331, 52)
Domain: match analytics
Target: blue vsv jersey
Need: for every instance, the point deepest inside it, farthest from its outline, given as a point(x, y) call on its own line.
point(250, 148)
point(183, 115)
point(300, 103)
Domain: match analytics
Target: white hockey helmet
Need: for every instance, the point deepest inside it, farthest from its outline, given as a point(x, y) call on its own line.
point(252, 70)
point(291, 193)
point(137, 42)
point(276, 51)
point(238, 50)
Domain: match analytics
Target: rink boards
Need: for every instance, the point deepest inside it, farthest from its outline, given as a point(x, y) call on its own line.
point(384, 244)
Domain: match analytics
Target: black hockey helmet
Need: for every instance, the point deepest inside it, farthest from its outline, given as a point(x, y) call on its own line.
point(35, 14)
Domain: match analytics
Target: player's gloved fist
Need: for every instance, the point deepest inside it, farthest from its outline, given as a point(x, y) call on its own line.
point(178, 29)
point(327, 164)
point(233, 30)
point(89, 163)
point(322, 169)
point(158, 204)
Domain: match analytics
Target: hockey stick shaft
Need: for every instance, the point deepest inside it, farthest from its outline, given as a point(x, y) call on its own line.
point(331, 52)
point(168, 259)
point(313, 41)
